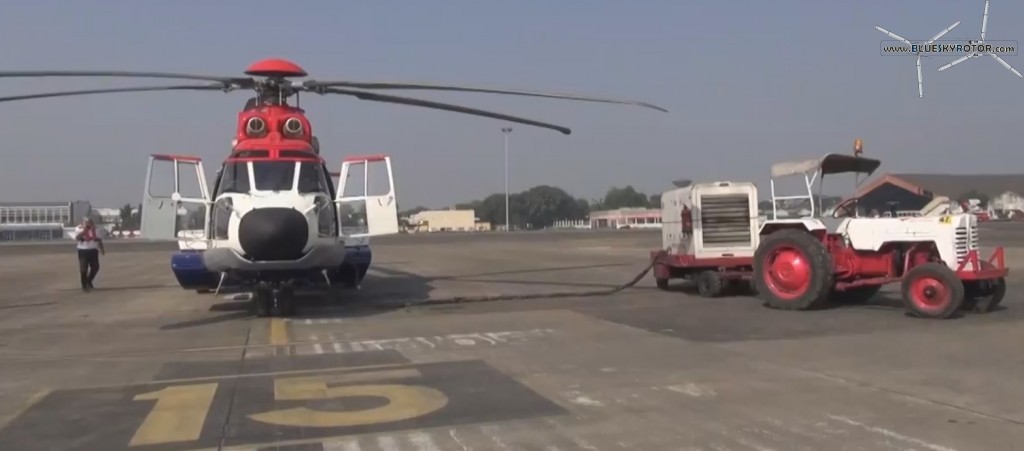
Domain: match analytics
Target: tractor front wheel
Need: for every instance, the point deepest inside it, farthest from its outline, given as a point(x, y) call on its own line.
point(932, 290)
point(792, 270)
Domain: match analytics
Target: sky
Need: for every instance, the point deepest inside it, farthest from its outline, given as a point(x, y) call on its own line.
point(746, 83)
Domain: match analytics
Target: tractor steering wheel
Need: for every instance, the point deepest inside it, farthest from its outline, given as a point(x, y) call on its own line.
point(848, 206)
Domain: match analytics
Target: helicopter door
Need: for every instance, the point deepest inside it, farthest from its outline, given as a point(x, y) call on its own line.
point(176, 201)
point(366, 197)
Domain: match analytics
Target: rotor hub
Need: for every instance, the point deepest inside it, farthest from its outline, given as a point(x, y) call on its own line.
point(275, 68)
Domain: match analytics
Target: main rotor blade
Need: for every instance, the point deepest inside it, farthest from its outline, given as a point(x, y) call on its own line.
point(955, 62)
point(372, 96)
point(920, 80)
point(434, 87)
point(893, 35)
point(215, 87)
point(943, 33)
point(1006, 65)
point(92, 73)
point(984, 21)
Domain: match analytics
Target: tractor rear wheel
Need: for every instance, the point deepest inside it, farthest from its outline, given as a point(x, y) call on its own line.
point(983, 296)
point(792, 270)
point(710, 284)
point(932, 290)
point(855, 295)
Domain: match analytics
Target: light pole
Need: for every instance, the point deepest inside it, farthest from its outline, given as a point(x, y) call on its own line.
point(506, 131)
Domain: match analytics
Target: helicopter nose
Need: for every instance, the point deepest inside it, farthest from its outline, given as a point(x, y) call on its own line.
point(273, 234)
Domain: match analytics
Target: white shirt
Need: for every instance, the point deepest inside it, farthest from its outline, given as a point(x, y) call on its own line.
point(87, 244)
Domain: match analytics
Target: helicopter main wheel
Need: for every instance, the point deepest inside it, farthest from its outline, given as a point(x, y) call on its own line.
point(262, 300)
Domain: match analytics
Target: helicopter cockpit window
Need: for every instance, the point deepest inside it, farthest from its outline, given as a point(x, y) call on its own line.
point(311, 178)
point(273, 175)
point(234, 178)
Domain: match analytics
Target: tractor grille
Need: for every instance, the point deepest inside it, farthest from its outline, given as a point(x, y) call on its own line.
point(725, 220)
point(966, 240)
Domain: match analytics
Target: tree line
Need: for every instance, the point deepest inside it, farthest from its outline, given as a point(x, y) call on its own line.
point(542, 205)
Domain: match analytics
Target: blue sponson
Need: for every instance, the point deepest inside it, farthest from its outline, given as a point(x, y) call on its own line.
point(190, 271)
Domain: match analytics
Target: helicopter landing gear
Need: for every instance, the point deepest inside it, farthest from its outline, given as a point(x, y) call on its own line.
point(270, 298)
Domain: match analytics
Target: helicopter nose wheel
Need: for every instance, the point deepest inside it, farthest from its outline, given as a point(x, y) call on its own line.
point(268, 299)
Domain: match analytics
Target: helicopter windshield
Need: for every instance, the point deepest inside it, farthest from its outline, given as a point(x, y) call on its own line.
point(234, 178)
point(273, 175)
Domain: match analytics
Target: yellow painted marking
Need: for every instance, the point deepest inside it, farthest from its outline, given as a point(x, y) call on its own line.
point(31, 401)
point(178, 415)
point(278, 332)
point(404, 401)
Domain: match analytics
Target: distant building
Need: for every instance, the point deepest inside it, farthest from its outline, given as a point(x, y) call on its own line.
point(447, 221)
point(626, 218)
point(914, 191)
point(34, 221)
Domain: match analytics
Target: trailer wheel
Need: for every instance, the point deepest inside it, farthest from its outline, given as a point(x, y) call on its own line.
point(983, 296)
point(792, 270)
point(932, 290)
point(661, 283)
point(856, 295)
point(710, 284)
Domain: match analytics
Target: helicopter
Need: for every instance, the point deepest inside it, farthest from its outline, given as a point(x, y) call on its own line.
point(275, 220)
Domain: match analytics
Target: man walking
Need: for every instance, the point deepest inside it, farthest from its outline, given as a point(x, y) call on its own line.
point(90, 246)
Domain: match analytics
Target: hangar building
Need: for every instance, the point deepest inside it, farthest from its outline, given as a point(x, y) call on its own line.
point(34, 221)
point(914, 191)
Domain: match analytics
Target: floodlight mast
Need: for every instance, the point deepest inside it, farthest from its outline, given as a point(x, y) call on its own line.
point(984, 26)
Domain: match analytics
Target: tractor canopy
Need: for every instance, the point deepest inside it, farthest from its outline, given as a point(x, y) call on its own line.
point(833, 163)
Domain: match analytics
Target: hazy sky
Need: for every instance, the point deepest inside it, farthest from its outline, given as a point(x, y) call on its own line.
point(747, 83)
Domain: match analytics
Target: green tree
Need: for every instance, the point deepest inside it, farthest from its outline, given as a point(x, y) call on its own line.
point(627, 197)
point(654, 201)
point(543, 205)
point(127, 220)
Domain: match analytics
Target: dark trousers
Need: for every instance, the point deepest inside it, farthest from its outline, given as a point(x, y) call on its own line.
point(88, 265)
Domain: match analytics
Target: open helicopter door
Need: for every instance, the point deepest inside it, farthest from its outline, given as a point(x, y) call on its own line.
point(176, 201)
point(366, 197)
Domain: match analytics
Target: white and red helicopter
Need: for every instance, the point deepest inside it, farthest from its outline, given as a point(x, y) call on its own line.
point(275, 219)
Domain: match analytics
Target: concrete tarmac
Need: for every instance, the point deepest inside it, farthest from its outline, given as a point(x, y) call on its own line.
point(141, 364)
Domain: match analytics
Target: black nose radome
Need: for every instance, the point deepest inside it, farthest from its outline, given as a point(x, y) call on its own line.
point(273, 234)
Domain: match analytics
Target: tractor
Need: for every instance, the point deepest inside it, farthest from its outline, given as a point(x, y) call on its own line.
point(803, 263)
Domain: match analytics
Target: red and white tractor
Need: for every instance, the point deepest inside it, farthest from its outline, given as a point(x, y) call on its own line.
point(803, 263)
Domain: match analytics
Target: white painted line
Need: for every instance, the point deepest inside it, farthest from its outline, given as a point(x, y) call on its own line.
point(455, 437)
point(342, 445)
point(423, 441)
point(891, 434)
point(493, 432)
point(387, 443)
point(317, 348)
point(337, 348)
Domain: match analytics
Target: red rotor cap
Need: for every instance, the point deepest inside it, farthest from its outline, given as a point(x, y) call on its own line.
point(275, 67)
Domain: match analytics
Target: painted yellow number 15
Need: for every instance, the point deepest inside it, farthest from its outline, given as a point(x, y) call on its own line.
point(180, 411)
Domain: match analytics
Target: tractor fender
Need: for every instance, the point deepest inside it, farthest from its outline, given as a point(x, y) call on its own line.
point(810, 225)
